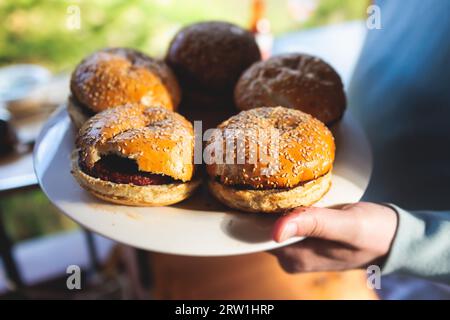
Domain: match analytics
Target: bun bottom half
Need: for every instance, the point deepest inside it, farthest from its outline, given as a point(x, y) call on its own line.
point(133, 195)
point(274, 200)
point(76, 114)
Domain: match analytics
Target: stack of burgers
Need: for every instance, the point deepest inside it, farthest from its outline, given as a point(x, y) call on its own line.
point(133, 148)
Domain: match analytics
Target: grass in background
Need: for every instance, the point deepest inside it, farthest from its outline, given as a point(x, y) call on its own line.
point(29, 214)
point(35, 31)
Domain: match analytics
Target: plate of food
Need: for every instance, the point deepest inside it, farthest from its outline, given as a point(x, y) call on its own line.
point(120, 161)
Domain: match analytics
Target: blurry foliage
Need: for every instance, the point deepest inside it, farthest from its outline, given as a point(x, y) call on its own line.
point(29, 214)
point(35, 31)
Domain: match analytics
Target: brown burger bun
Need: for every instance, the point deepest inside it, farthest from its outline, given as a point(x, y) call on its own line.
point(156, 140)
point(210, 56)
point(115, 76)
point(294, 80)
point(303, 150)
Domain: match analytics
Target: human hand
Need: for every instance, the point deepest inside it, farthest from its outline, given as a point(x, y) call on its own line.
point(352, 236)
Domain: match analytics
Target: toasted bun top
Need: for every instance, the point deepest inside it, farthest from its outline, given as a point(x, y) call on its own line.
point(159, 140)
point(115, 76)
point(295, 81)
point(212, 55)
point(298, 147)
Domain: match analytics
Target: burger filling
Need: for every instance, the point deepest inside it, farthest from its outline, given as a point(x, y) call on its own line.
point(261, 187)
point(124, 171)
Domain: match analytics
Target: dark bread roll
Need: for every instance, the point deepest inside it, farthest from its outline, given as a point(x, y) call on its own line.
point(211, 56)
point(296, 81)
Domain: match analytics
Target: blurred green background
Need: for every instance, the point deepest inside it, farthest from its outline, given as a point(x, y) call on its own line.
point(37, 31)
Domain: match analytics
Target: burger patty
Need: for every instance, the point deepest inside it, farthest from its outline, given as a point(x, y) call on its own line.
point(124, 171)
point(249, 187)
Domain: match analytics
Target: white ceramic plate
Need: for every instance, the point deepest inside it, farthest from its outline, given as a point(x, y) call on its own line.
point(199, 226)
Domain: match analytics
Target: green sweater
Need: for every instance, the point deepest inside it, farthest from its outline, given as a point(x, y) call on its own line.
point(421, 246)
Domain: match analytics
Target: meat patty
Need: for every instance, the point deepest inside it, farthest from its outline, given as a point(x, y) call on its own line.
point(124, 171)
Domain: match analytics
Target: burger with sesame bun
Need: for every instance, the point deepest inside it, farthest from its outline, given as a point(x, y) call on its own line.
point(270, 160)
point(136, 155)
point(115, 76)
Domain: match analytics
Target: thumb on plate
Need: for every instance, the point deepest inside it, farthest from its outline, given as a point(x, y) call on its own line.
point(322, 223)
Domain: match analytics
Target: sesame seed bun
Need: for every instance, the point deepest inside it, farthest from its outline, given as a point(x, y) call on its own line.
point(273, 200)
point(303, 148)
point(296, 172)
point(295, 81)
point(158, 140)
point(210, 56)
point(132, 195)
point(116, 76)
